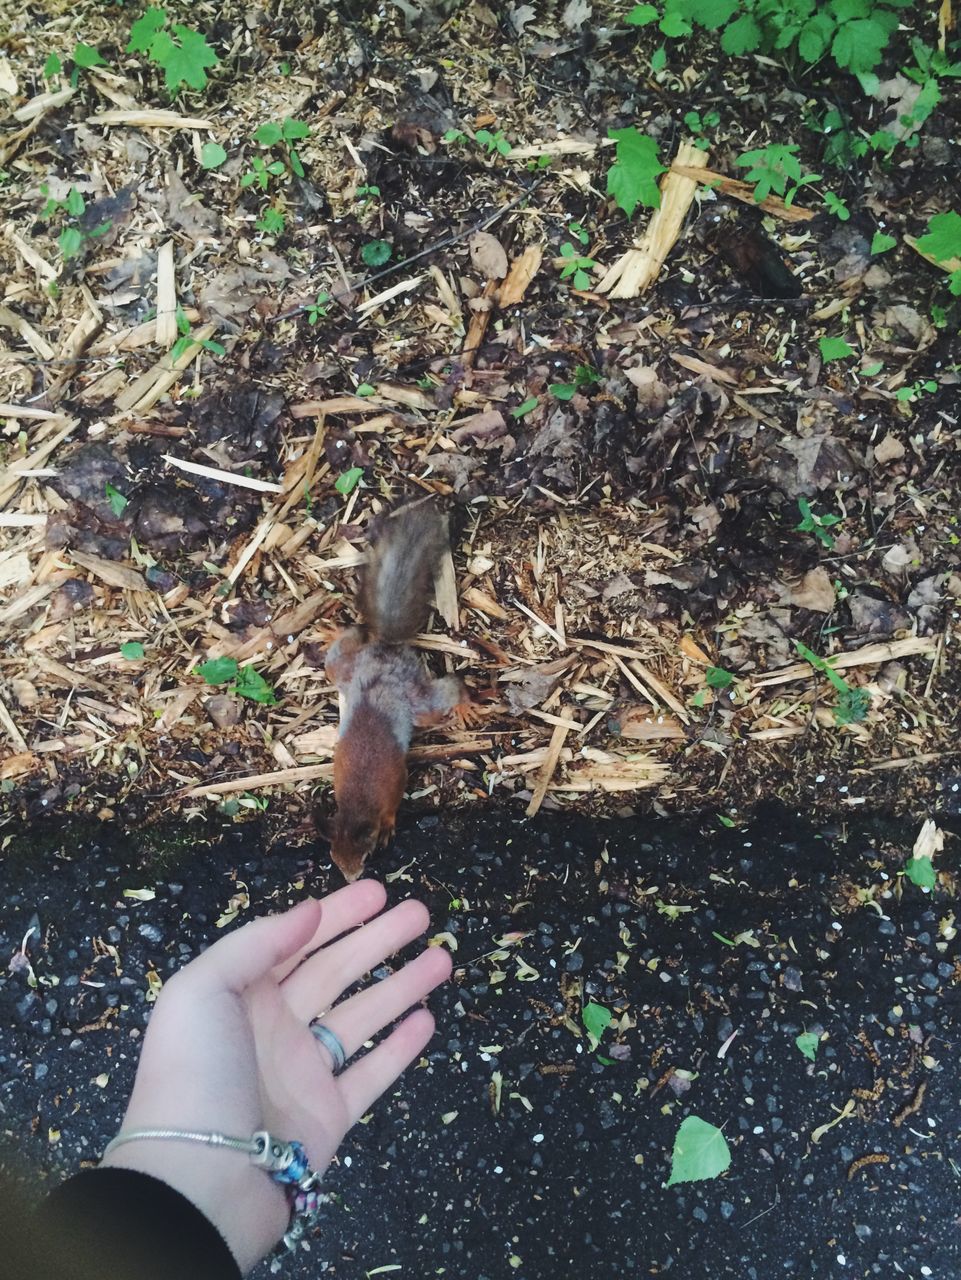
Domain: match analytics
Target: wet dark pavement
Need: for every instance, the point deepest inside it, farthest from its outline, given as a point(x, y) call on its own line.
point(512, 1149)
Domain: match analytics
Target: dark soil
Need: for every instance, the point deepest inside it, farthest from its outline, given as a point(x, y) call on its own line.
point(713, 950)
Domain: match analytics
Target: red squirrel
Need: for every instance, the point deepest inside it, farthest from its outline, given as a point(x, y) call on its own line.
point(385, 692)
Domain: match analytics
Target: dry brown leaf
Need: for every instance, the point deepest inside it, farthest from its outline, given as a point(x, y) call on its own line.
point(815, 591)
point(487, 255)
point(522, 272)
point(114, 575)
point(701, 367)
point(888, 449)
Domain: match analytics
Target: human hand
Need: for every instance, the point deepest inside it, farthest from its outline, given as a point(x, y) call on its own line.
point(229, 1049)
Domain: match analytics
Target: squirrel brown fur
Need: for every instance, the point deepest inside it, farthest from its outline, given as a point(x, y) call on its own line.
point(385, 692)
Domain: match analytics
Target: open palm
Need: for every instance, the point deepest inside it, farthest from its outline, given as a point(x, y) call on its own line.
point(229, 1049)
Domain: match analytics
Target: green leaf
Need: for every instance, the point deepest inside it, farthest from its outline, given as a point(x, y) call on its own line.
point(118, 503)
point(183, 63)
point(85, 55)
point(144, 29)
point(271, 222)
point(563, 390)
point(942, 240)
point(725, 821)
point(859, 44)
point(212, 155)
point(348, 481)
point(714, 13)
point(814, 37)
point(376, 252)
point(920, 871)
point(74, 203)
point(133, 650)
point(268, 135)
point(674, 26)
point(294, 129)
point(743, 35)
point(526, 407)
point(881, 243)
point(596, 1019)
point(632, 179)
point(217, 670)
point(808, 1042)
point(834, 204)
point(659, 59)
point(365, 389)
point(871, 370)
point(251, 684)
point(642, 15)
point(834, 349)
point(70, 241)
point(52, 67)
point(718, 678)
point(700, 1151)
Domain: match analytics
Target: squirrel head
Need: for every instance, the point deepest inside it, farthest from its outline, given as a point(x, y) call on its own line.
point(351, 841)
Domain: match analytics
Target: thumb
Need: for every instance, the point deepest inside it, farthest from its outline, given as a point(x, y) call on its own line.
point(237, 961)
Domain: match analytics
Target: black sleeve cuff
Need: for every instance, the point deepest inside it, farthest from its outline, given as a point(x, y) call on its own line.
point(117, 1224)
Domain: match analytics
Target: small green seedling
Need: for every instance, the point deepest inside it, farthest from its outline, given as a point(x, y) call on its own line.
point(834, 204)
point(632, 178)
point(808, 1042)
point(700, 1152)
point(347, 482)
point(365, 389)
point(818, 525)
point(317, 310)
point(577, 266)
point(132, 650)
point(84, 57)
point(118, 503)
point(576, 229)
point(915, 390)
point(260, 172)
point(852, 704)
point(596, 1019)
point(376, 252)
point(699, 125)
point(52, 67)
point(367, 194)
point(584, 376)
point(881, 243)
point(186, 341)
point(212, 155)
point(245, 681)
point(942, 242)
point(718, 678)
point(776, 168)
point(72, 236)
point(454, 136)
point(834, 349)
point(525, 407)
point(271, 221)
point(289, 132)
point(920, 871)
point(492, 142)
point(183, 54)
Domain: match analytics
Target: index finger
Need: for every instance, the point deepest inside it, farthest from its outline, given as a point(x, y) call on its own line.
point(343, 910)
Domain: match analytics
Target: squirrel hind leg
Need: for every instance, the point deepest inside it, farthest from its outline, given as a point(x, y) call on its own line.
point(341, 656)
point(443, 698)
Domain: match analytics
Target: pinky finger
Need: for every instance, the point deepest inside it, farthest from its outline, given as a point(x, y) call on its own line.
point(363, 1083)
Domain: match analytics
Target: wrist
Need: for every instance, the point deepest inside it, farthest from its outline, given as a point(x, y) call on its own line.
point(243, 1202)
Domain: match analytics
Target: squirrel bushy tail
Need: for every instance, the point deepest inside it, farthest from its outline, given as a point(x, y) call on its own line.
point(395, 590)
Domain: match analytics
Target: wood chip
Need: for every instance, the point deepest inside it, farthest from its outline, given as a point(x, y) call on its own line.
point(223, 477)
point(166, 324)
point(558, 738)
point(523, 270)
point(108, 571)
point(149, 118)
point(634, 273)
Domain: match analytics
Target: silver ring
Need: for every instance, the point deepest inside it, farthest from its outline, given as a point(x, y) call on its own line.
point(331, 1043)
